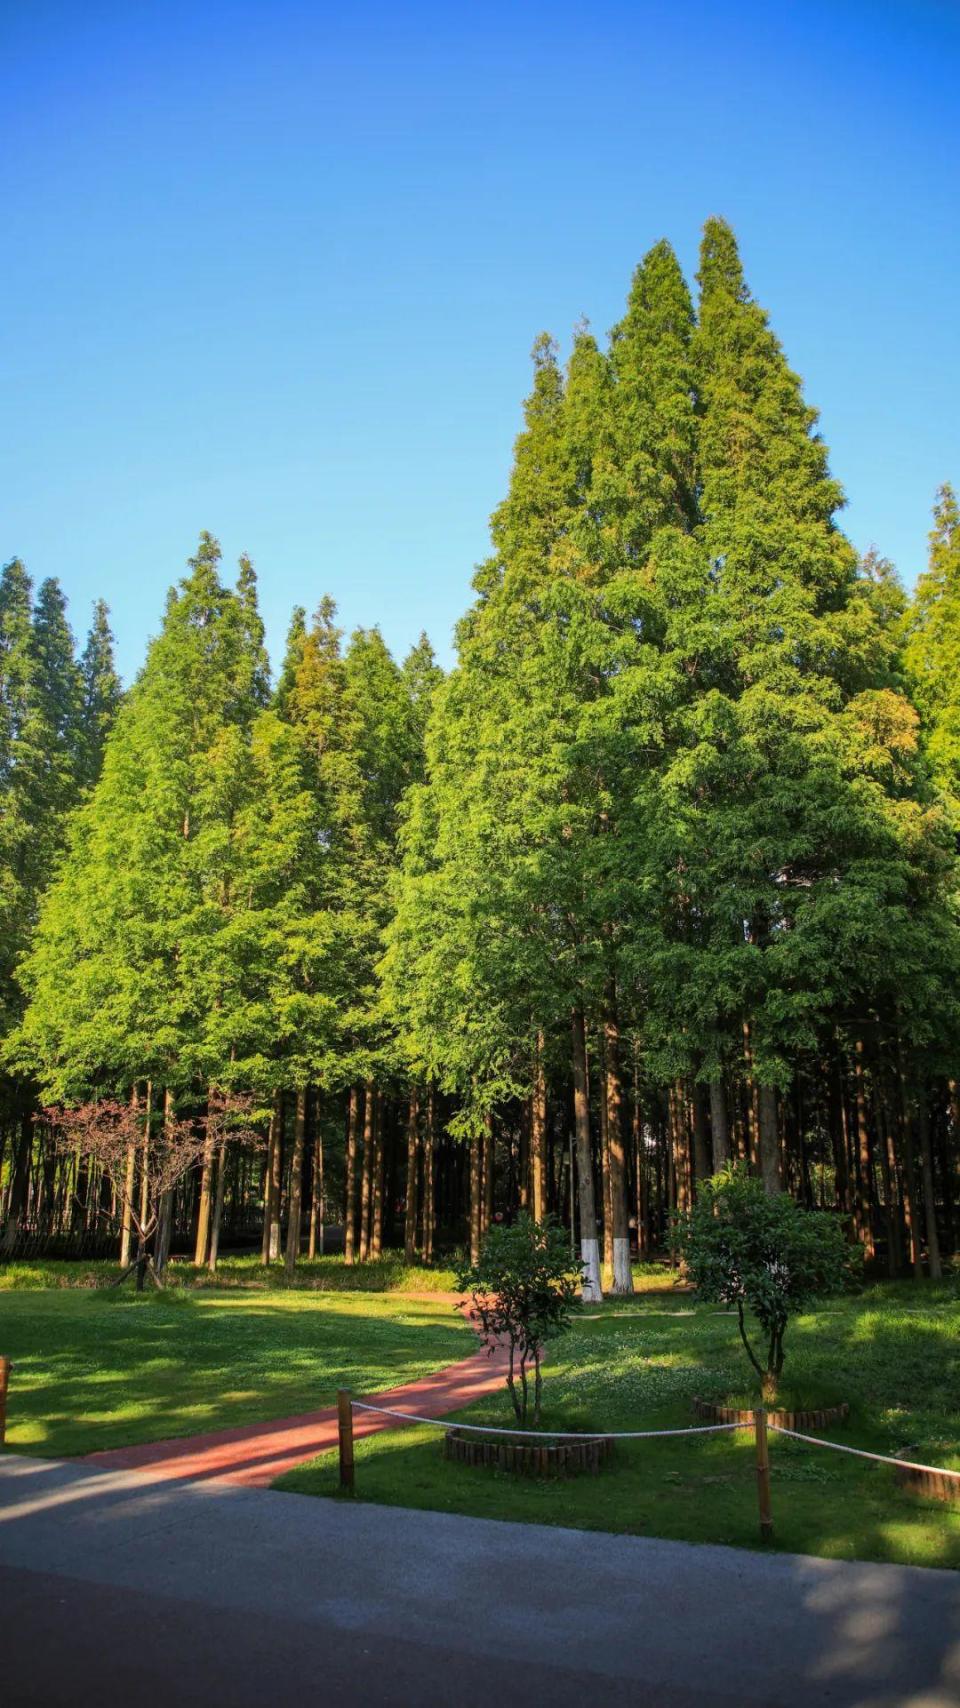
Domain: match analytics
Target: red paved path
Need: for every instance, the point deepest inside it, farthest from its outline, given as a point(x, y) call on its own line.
point(256, 1453)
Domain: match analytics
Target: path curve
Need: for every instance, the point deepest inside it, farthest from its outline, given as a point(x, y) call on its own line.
point(255, 1454)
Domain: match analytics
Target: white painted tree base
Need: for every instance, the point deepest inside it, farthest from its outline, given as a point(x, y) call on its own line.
point(622, 1273)
point(590, 1258)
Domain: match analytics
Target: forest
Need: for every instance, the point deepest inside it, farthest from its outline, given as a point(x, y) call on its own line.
point(663, 873)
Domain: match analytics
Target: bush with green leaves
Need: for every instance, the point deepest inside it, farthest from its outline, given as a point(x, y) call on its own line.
point(766, 1255)
point(522, 1292)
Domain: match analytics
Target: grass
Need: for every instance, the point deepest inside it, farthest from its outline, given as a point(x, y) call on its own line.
point(98, 1369)
point(320, 1274)
point(892, 1353)
point(387, 1274)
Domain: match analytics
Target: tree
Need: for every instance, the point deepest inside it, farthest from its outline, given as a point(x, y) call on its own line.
point(101, 694)
point(768, 1256)
point(932, 650)
point(522, 1291)
point(105, 1132)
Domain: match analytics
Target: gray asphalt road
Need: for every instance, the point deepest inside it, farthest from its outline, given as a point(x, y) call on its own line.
point(113, 1589)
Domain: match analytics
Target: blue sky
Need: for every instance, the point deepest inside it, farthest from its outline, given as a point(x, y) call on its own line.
point(275, 270)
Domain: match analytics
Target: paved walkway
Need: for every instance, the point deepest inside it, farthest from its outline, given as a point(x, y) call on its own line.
point(208, 1593)
point(255, 1454)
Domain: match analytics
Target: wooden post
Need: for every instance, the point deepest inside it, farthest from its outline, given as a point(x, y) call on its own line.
point(345, 1432)
point(763, 1474)
point(5, 1369)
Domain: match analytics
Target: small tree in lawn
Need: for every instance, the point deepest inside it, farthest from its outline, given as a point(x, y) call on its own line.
point(766, 1255)
point(522, 1291)
point(107, 1133)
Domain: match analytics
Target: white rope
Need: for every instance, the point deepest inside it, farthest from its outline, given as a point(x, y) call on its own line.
point(861, 1453)
point(553, 1434)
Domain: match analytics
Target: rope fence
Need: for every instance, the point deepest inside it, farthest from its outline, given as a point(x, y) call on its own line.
point(347, 1405)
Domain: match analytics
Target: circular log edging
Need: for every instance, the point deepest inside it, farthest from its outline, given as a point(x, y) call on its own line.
point(931, 1485)
point(559, 1459)
point(780, 1419)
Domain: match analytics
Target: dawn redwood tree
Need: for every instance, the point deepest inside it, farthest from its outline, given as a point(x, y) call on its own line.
point(121, 977)
point(932, 650)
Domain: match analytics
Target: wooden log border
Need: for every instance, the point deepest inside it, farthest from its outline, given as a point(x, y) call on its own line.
point(821, 1419)
point(531, 1459)
point(931, 1485)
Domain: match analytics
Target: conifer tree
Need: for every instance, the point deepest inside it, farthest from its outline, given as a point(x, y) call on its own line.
point(100, 696)
point(932, 651)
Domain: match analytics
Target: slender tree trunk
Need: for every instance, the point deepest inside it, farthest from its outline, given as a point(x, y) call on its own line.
point(538, 1135)
point(296, 1182)
point(620, 1215)
point(350, 1178)
point(719, 1129)
point(929, 1197)
point(216, 1221)
point(640, 1168)
point(605, 1198)
point(145, 1156)
point(410, 1197)
point(701, 1138)
point(489, 1151)
point(129, 1183)
point(911, 1205)
point(429, 1179)
point(165, 1214)
point(377, 1185)
point(270, 1249)
point(316, 1187)
point(770, 1141)
point(888, 1161)
point(864, 1161)
point(366, 1183)
point(476, 1196)
point(203, 1214)
point(589, 1247)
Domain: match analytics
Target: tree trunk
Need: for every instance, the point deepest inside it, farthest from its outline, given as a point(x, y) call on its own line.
point(203, 1214)
point(366, 1183)
point(129, 1182)
point(864, 1161)
point(377, 1183)
point(410, 1195)
point(165, 1214)
point(701, 1140)
point(616, 1158)
point(719, 1128)
point(911, 1205)
point(350, 1178)
point(607, 1202)
point(429, 1179)
point(589, 1248)
point(316, 1188)
point(217, 1218)
point(489, 1151)
point(769, 1141)
point(270, 1249)
point(145, 1156)
point(296, 1183)
point(538, 1136)
point(476, 1196)
point(929, 1198)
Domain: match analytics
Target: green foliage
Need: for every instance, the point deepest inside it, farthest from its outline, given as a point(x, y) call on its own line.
point(766, 1255)
point(522, 1293)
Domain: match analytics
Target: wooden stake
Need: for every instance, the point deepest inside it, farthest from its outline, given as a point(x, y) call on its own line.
point(345, 1432)
point(763, 1474)
point(5, 1369)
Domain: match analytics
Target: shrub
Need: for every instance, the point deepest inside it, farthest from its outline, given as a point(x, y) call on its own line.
point(522, 1291)
point(766, 1255)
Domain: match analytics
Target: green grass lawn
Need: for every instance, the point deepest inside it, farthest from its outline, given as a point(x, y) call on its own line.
point(96, 1369)
point(892, 1353)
